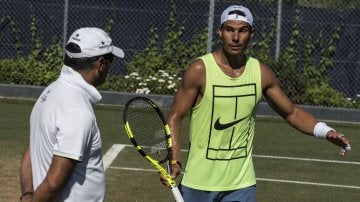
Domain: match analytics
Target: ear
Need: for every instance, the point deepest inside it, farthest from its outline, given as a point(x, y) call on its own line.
point(219, 31)
point(100, 63)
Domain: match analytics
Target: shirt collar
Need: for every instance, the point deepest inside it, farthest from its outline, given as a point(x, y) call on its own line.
point(73, 77)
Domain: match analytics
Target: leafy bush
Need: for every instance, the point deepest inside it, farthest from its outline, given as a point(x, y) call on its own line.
point(154, 83)
point(159, 68)
point(27, 71)
point(309, 84)
point(325, 95)
point(39, 68)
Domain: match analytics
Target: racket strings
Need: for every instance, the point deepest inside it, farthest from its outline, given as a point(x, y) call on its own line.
point(148, 129)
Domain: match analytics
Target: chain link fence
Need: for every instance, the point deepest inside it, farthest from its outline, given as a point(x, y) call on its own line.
point(325, 33)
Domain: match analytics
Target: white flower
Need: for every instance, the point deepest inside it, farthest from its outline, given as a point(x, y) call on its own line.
point(170, 77)
point(126, 77)
point(142, 90)
point(138, 78)
point(134, 74)
point(161, 80)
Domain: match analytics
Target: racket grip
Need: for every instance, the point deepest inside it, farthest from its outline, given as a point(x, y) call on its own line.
point(169, 167)
point(177, 195)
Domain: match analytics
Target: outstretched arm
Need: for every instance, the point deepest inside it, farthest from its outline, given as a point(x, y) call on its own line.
point(296, 116)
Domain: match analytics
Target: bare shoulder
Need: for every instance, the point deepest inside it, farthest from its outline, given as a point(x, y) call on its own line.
point(187, 95)
point(197, 66)
point(195, 73)
point(268, 78)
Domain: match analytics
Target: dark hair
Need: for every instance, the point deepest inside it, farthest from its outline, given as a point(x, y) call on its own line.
point(109, 57)
point(80, 64)
point(237, 12)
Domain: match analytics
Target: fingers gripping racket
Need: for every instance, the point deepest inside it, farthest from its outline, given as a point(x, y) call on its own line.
point(149, 133)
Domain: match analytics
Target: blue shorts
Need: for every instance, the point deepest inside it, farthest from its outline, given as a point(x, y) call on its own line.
point(247, 194)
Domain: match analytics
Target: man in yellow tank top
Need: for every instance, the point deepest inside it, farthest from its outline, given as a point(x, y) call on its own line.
point(222, 90)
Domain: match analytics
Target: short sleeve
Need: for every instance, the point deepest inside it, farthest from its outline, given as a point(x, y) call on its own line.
point(74, 130)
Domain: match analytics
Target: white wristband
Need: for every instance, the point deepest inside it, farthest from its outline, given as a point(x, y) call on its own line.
point(321, 129)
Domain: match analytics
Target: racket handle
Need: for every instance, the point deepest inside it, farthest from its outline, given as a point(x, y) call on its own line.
point(169, 167)
point(177, 195)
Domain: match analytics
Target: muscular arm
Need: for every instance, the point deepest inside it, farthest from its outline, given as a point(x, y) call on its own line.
point(294, 115)
point(58, 174)
point(188, 95)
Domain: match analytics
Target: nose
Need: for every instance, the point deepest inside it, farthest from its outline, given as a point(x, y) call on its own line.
point(236, 36)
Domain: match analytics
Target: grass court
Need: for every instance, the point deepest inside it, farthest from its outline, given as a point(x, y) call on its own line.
point(289, 166)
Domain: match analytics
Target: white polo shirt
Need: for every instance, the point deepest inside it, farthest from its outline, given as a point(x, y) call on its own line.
point(63, 123)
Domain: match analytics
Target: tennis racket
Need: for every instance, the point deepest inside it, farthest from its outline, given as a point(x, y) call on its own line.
point(148, 131)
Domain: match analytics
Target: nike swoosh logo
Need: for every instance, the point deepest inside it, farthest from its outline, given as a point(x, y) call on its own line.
point(220, 126)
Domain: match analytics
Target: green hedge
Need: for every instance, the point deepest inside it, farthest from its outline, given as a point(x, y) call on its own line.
point(40, 67)
point(159, 68)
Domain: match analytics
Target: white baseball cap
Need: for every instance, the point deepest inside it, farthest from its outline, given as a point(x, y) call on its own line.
point(227, 15)
point(93, 42)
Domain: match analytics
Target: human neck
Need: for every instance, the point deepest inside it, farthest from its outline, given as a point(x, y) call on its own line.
point(233, 61)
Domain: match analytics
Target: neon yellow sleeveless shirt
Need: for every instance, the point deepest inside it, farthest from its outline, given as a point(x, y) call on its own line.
point(222, 130)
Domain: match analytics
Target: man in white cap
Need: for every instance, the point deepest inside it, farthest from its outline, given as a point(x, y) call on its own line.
point(63, 161)
point(222, 90)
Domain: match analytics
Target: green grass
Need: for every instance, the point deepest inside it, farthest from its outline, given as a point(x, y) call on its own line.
point(273, 138)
